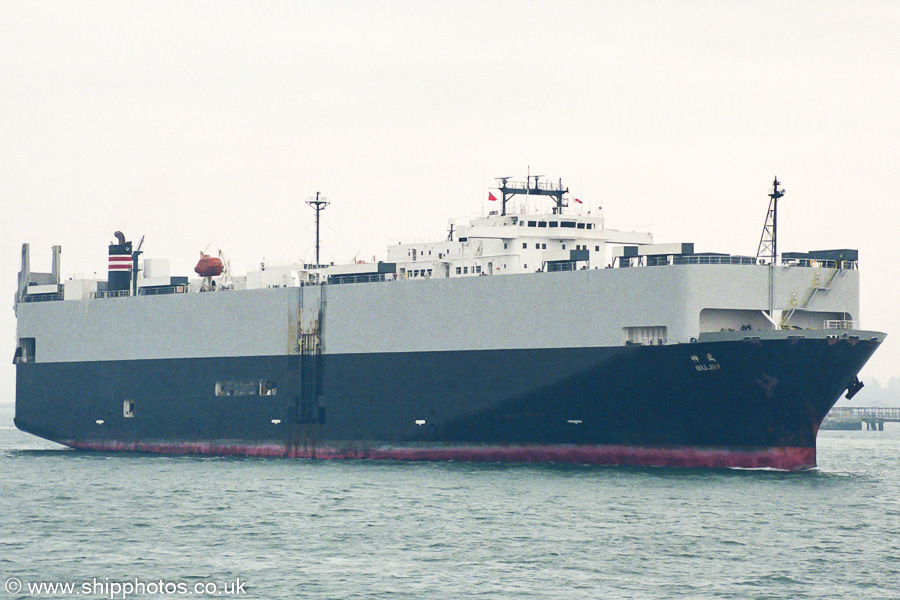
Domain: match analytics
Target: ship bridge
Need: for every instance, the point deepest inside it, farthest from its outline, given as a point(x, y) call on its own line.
point(517, 238)
point(499, 244)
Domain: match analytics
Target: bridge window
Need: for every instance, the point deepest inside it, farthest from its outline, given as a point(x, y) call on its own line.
point(542, 223)
point(569, 224)
point(581, 226)
point(554, 223)
point(524, 245)
point(532, 223)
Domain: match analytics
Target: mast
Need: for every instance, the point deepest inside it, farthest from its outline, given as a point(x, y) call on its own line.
point(768, 242)
point(768, 249)
point(508, 189)
point(319, 204)
point(134, 267)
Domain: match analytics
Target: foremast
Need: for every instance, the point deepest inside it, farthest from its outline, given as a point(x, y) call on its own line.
point(768, 241)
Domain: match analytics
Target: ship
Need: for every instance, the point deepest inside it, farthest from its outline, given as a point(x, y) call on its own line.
point(531, 333)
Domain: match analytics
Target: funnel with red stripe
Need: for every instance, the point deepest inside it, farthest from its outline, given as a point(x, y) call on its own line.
point(120, 264)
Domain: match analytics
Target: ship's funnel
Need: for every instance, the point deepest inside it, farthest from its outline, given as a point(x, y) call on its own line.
point(120, 264)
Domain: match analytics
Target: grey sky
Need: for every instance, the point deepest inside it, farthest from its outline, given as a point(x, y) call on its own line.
point(206, 125)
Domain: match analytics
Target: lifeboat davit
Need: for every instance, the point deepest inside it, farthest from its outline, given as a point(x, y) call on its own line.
point(209, 266)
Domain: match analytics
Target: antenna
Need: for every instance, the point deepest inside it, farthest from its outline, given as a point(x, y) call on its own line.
point(319, 204)
point(525, 188)
point(768, 242)
point(527, 184)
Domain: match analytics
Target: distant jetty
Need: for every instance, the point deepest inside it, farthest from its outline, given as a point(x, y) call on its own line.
point(848, 418)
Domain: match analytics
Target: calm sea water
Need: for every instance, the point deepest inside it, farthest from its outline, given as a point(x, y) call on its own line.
point(256, 528)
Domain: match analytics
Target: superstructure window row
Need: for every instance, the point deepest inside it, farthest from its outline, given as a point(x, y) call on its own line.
point(465, 270)
point(569, 224)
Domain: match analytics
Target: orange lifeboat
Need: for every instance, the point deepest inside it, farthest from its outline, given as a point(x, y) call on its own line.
point(209, 266)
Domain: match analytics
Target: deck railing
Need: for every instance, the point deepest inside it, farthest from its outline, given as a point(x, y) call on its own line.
point(366, 278)
point(110, 294)
point(53, 296)
point(162, 289)
point(689, 259)
point(821, 264)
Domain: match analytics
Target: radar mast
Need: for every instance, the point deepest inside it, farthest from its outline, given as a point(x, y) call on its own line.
point(319, 204)
point(768, 242)
point(508, 189)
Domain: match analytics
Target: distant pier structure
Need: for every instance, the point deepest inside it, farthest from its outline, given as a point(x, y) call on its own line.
point(854, 418)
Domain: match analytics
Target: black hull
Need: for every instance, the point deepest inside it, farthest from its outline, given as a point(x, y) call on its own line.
point(736, 403)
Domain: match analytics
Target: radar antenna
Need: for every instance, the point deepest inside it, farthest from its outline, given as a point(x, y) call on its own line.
point(508, 189)
point(768, 242)
point(319, 204)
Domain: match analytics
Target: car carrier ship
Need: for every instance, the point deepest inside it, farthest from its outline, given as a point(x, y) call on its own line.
point(532, 333)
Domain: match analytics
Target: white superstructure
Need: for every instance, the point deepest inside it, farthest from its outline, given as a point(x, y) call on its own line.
point(513, 243)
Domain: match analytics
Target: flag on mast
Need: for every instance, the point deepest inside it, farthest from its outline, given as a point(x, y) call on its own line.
point(578, 201)
point(491, 197)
